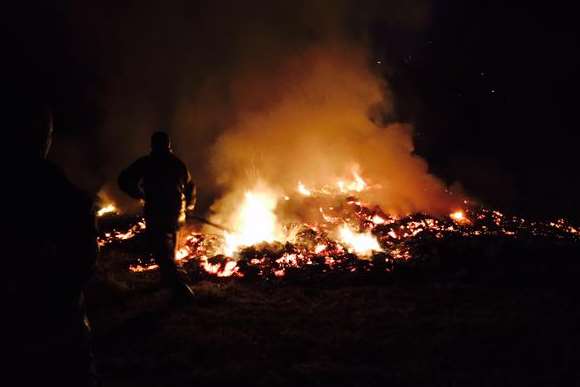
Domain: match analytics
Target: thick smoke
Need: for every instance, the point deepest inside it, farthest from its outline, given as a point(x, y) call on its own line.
point(310, 119)
point(276, 91)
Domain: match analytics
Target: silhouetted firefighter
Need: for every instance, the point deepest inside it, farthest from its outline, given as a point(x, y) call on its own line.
point(164, 183)
point(49, 256)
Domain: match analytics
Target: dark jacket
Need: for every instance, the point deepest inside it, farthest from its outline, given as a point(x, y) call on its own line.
point(50, 254)
point(54, 232)
point(164, 182)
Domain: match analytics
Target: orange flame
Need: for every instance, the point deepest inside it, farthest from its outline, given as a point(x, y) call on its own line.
point(363, 244)
point(108, 209)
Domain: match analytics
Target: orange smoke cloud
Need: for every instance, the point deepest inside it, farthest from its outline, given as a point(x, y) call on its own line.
point(308, 120)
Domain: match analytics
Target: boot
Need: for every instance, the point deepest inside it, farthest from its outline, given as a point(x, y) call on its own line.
point(182, 293)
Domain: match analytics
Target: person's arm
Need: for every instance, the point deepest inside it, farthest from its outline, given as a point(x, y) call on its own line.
point(76, 244)
point(190, 193)
point(82, 244)
point(130, 180)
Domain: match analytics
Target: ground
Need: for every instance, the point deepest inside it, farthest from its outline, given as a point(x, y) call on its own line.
point(445, 327)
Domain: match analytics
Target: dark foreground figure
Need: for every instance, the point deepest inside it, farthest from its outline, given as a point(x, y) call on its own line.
point(164, 183)
point(51, 252)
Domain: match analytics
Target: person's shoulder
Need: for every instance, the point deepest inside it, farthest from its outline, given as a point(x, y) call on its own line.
point(60, 182)
point(177, 160)
point(143, 160)
point(139, 164)
point(51, 171)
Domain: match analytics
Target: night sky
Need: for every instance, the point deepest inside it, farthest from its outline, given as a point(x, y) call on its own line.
point(490, 87)
point(493, 91)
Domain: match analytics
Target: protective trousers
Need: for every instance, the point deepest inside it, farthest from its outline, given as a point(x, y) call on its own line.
point(162, 246)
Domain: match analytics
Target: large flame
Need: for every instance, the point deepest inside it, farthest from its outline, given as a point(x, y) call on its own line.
point(303, 190)
point(254, 222)
point(353, 185)
point(357, 184)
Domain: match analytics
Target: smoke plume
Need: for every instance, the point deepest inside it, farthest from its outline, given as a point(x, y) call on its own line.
point(279, 92)
point(311, 120)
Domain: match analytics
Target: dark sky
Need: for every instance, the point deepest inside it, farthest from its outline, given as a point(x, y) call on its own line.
point(491, 88)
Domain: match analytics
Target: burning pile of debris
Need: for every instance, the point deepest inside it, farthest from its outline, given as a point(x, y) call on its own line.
point(350, 236)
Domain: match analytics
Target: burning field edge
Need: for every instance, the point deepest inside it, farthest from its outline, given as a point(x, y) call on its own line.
point(353, 237)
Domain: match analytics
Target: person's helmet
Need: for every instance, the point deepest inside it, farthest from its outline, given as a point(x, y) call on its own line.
point(160, 142)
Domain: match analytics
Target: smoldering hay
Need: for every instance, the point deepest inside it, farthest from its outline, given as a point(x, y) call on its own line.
point(313, 120)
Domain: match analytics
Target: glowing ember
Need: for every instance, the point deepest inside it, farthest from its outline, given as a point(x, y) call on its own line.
point(108, 209)
point(312, 244)
point(378, 219)
point(319, 248)
point(459, 216)
point(143, 268)
point(110, 237)
point(363, 244)
point(288, 260)
point(228, 269)
point(182, 253)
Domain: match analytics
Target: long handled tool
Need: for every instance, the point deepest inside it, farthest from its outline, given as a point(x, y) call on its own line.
point(209, 223)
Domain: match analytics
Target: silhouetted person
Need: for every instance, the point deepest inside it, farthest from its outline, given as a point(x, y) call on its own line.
point(164, 183)
point(49, 256)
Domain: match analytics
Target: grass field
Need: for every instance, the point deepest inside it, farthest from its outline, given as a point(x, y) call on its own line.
point(515, 324)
